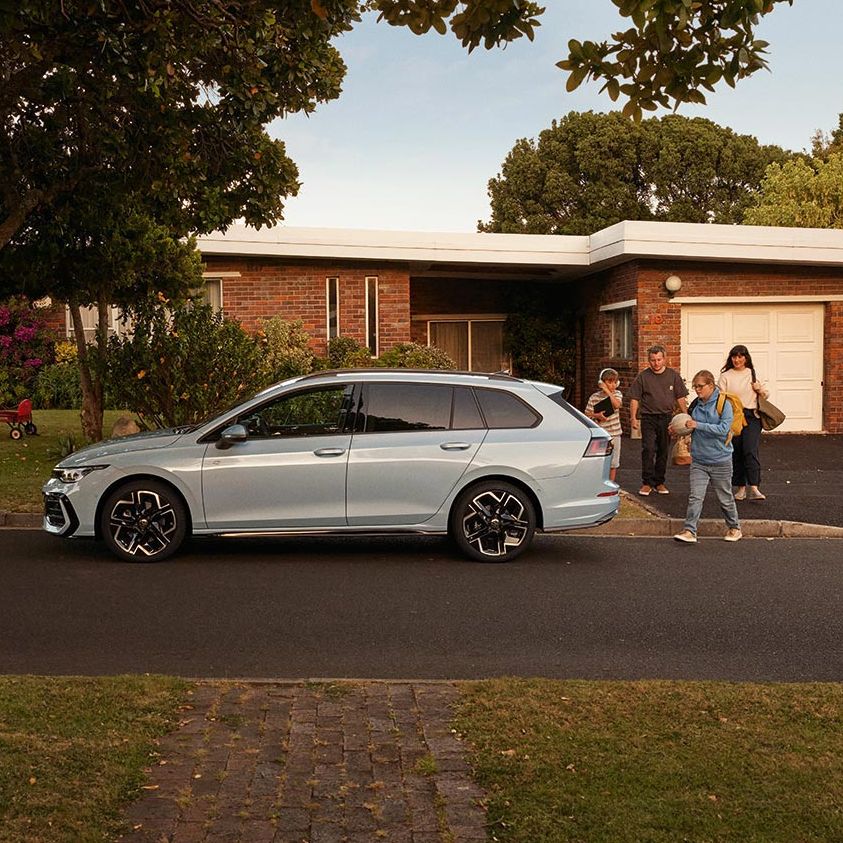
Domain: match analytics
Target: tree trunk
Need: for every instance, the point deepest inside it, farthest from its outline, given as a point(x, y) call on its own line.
point(89, 377)
point(10, 225)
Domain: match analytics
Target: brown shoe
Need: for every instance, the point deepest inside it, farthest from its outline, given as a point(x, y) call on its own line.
point(662, 489)
point(644, 490)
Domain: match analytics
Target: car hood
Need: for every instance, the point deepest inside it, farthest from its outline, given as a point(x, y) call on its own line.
point(149, 440)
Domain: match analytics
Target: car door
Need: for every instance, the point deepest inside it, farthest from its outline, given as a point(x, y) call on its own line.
point(412, 443)
point(290, 471)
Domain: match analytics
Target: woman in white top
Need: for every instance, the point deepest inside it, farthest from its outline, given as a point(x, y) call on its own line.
point(738, 378)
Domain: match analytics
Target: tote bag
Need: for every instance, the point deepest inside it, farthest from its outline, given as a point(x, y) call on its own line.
point(771, 415)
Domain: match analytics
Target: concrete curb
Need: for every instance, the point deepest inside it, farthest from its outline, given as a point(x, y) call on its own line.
point(641, 527)
point(757, 529)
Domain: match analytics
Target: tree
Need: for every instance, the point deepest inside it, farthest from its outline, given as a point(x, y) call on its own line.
point(589, 170)
point(171, 96)
point(106, 252)
point(801, 193)
point(674, 50)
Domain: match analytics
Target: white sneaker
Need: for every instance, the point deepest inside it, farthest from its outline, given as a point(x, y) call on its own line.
point(733, 535)
point(686, 536)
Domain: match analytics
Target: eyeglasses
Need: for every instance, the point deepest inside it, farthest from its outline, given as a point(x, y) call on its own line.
point(698, 386)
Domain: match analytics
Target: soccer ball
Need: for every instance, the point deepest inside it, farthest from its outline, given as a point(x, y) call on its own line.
point(677, 425)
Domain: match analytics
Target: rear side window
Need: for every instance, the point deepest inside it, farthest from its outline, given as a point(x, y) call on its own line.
point(466, 412)
point(503, 409)
point(403, 406)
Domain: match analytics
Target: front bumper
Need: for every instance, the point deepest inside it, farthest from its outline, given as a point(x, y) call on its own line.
point(60, 518)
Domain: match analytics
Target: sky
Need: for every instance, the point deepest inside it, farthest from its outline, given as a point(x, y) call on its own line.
point(421, 125)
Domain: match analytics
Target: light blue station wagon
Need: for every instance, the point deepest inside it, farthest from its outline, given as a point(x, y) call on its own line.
point(488, 459)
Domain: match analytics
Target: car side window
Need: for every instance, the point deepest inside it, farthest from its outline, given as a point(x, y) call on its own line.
point(466, 413)
point(503, 409)
point(407, 406)
point(313, 413)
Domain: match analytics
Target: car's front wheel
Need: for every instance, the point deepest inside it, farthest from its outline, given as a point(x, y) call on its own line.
point(143, 521)
point(493, 521)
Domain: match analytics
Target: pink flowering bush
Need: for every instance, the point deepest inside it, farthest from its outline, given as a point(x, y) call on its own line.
point(26, 344)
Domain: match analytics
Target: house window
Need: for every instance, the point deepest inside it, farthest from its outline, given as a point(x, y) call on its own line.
point(372, 314)
point(475, 345)
point(212, 293)
point(620, 333)
point(117, 326)
point(332, 286)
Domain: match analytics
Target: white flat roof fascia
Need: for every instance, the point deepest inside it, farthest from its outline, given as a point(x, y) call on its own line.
point(697, 241)
point(513, 249)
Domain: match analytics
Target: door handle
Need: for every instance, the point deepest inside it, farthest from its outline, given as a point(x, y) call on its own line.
point(455, 446)
point(329, 452)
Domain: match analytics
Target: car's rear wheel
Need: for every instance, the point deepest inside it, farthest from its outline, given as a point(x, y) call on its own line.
point(143, 521)
point(493, 521)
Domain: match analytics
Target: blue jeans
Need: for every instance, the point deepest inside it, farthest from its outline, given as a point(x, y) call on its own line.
point(720, 477)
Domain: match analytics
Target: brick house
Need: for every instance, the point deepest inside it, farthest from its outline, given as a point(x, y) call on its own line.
point(779, 291)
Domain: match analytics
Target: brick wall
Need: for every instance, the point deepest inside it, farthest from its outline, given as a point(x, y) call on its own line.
point(270, 287)
point(612, 286)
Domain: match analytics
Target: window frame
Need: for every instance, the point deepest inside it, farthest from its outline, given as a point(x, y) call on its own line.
point(372, 319)
point(332, 284)
point(621, 334)
point(469, 321)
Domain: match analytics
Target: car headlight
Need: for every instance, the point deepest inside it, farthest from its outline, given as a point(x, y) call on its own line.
point(74, 475)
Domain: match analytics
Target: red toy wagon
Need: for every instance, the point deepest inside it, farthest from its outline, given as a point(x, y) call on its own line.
point(20, 420)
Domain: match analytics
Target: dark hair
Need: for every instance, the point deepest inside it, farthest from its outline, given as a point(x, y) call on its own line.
point(739, 349)
point(656, 349)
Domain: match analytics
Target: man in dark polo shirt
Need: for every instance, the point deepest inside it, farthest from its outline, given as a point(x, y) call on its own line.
point(652, 398)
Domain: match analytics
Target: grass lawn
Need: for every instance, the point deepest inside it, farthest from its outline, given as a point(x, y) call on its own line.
point(72, 752)
point(625, 762)
point(26, 464)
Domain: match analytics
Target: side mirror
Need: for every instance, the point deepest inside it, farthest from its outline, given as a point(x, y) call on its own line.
point(232, 435)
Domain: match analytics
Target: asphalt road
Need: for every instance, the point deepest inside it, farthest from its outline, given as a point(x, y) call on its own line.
point(411, 608)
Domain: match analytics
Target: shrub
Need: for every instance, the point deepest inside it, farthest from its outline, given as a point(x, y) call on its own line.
point(285, 347)
point(58, 387)
point(541, 338)
point(183, 364)
point(25, 346)
point(411, 355)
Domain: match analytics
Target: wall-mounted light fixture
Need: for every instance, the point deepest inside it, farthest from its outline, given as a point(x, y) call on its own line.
point(673, 284)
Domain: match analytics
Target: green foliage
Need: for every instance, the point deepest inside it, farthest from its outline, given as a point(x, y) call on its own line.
point(57, 387)
point(802, 194)
point(25, 346)
point(285, 348)
point(673, 51)
point(411, 355)
point(589, 171)
point(183, 364)
point(541, 338)
point(347, 353)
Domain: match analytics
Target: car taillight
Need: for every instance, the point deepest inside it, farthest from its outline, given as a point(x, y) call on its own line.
point(599, 448)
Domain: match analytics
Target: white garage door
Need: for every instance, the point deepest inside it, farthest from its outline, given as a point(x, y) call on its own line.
point(786, 344)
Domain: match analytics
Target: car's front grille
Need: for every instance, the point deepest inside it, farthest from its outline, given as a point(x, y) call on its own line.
point(59, 516)
point(53, 510)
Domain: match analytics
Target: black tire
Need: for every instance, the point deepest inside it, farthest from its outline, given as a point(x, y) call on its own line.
point(493, 521)
point(143, 521)
point(16, 433)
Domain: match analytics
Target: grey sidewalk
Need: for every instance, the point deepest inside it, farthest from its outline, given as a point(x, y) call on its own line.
point(345, 762)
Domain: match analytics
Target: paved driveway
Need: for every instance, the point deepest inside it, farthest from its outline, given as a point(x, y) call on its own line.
point(802, 476)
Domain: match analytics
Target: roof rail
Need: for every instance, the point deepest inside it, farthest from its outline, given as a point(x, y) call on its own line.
point(502, 376)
